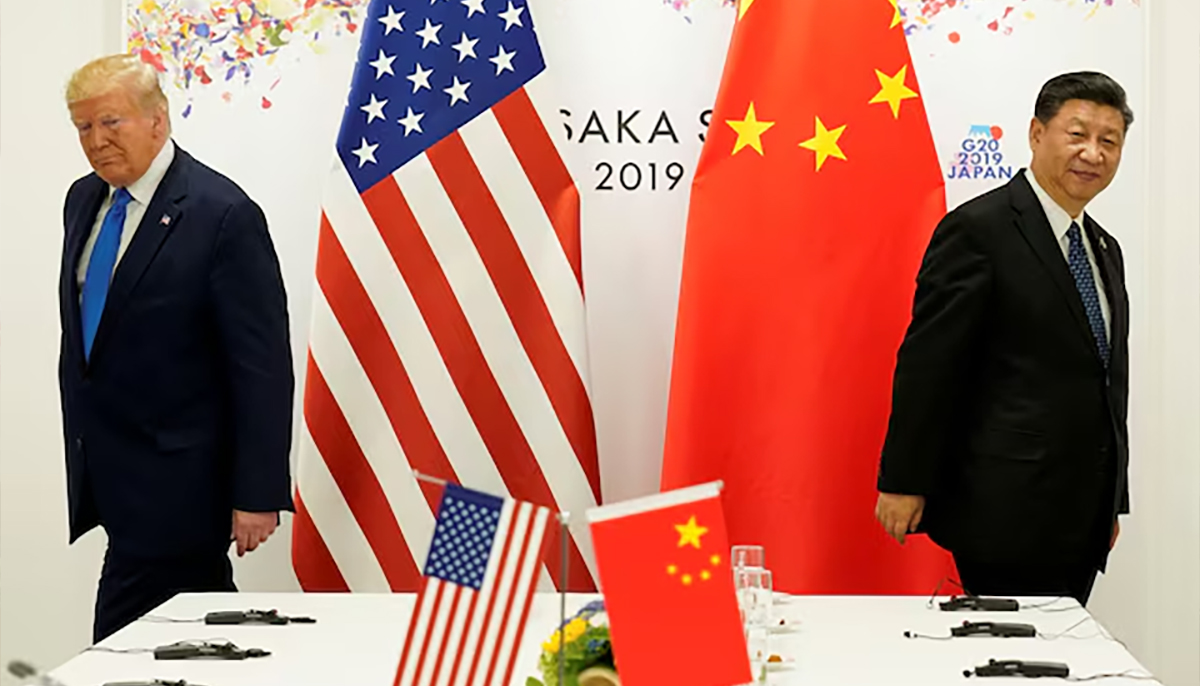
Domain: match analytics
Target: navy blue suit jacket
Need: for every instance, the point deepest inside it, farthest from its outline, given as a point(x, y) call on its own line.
point(184, 412)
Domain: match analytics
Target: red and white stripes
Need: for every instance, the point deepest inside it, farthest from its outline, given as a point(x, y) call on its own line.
point(461, 637)
point(447, 337)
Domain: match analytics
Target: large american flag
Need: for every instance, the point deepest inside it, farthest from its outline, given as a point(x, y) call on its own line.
point(448, 322)
point(479, 584)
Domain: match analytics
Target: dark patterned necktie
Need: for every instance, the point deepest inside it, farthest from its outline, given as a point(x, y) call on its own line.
point(1081, 269)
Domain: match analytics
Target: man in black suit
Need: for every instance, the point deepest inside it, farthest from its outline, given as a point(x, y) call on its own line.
point(1007, 441)
point(175, 367)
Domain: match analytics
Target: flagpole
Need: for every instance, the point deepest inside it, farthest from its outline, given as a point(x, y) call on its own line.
point(563, 520)
point(429, 479)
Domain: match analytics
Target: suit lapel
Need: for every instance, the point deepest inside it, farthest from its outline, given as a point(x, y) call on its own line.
point(161, 217)
point(77, 232)
point(1035, 227)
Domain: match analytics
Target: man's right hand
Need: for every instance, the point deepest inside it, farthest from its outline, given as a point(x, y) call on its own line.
point(899, 514)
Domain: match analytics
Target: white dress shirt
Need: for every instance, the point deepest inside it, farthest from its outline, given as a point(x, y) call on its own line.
point(141, 191)
point(1060, 223)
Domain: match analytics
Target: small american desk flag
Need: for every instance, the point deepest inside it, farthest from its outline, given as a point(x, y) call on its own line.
point(448, 331)
point(478, 584)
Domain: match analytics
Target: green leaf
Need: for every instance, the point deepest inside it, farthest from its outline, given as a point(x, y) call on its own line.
point(533, 682)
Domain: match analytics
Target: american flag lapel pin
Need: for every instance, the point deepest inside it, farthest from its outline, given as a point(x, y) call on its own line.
point(165, 221)
point(1103, 243)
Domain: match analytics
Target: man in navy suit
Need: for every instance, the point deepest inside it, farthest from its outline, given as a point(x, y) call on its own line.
point(175, 367)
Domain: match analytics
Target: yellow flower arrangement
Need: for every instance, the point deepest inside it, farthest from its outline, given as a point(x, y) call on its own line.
point(574, 629)
point(582, 644)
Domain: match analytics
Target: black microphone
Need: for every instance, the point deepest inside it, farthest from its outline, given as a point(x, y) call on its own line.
point(24, 670)
point(156, 682)
point(190, 650)
point(1011, 668)
point(979, 604)
point(1001, 629)
point(254, 617)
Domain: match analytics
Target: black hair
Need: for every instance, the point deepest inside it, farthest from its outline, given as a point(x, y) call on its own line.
point(1081, 85)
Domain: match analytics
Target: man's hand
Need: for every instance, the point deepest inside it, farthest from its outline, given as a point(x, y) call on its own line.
point(251, 529)
point(899, 514)
point(1116, 532)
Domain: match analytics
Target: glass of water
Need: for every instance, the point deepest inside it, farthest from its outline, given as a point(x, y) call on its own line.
point(748, 556)
point(754, 598)
point(753, 584)
point(754, 588)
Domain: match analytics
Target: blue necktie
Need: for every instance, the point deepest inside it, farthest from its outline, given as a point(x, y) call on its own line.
point(1081, 269)
point(100, 268)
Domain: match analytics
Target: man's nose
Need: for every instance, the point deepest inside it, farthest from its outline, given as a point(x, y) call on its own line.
point(96, 138)
point(1092, 152)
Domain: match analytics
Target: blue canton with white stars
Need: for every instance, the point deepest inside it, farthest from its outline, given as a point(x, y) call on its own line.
point(464, 536)
point(426, 68)
point(1081, 269)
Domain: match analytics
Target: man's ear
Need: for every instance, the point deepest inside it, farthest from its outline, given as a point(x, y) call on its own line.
point(162, 125)
point(1036, 131)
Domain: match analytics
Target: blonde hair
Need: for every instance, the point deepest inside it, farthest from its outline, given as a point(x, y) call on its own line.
point(107, 74)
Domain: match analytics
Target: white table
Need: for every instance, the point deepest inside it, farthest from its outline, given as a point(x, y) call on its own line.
point(837, 641)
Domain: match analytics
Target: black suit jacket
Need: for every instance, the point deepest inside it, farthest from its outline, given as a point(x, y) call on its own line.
point(184, 412)
point(1003, 413)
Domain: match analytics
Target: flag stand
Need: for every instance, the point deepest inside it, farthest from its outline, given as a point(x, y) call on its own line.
point(564, 519)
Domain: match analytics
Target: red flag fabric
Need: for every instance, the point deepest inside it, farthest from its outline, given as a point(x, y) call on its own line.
point(668, 589)
point(815, 196)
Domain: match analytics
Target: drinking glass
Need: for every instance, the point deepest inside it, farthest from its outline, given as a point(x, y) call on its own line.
point(754, 590)
point(748, 556)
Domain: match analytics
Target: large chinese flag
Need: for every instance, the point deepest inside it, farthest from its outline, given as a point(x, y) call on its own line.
point(814, 199)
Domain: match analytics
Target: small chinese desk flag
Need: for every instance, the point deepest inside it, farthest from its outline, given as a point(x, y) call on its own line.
point(668, 589)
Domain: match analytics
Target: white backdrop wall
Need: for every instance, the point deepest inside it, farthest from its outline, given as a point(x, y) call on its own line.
point(46, 588)
point(1152, 595)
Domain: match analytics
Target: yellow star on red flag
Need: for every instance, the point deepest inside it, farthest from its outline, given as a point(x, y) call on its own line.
point(715, 560)
point(825, 143)
point(749, 131)
point(892, 90)
point(898, 17)
point(690, 533)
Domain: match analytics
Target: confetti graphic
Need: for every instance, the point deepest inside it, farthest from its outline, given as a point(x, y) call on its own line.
point(685, 6)
point(1000, 16)
point(227, 43)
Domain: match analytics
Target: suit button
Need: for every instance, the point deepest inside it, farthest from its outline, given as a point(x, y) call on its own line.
point(79, 444)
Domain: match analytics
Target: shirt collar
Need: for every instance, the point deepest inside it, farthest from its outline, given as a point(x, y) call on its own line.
point(1060, 219)
point(143, 189)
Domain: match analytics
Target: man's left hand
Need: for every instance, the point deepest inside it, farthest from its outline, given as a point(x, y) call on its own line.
point(1116, 532)
point(252, 529)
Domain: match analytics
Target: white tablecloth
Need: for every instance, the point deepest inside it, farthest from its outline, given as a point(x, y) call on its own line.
point(836, 641)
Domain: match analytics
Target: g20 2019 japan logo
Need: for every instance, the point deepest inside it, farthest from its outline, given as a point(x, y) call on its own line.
point(980, 156)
